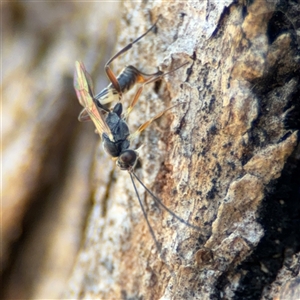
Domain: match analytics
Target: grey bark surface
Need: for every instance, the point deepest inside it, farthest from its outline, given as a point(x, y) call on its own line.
point(217, 159)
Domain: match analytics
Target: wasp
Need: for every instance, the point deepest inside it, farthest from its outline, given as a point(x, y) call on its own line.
point(116, 138)
point(122, 83)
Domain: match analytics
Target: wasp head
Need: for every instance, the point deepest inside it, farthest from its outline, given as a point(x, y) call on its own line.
point(127, 160)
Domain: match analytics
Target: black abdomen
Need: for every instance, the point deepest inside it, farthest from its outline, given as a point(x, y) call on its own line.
point(127, 78)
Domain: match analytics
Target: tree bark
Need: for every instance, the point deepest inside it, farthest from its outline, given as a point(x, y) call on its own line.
point(225, 159)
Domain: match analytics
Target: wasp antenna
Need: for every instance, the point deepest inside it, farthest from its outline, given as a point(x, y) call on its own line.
point(145, 215)
point(151, 230)
point(157, 200)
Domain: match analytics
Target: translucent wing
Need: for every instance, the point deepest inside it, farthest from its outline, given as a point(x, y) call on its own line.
point(84, 89)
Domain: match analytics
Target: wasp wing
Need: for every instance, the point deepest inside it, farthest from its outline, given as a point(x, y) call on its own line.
point(84, 90)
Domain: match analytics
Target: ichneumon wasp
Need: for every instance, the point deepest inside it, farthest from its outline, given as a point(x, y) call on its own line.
point(116, 137)
point(111, 123)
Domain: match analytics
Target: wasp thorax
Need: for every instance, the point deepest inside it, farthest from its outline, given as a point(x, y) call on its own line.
point(127, 160)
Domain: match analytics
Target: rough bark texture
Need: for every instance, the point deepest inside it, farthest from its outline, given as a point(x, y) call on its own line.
point(226, 159)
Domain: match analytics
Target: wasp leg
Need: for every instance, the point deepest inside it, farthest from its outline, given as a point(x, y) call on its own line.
point(110, 74)
point(147, 123)
point(84, 116)
point(156, 77)
point(141, 75)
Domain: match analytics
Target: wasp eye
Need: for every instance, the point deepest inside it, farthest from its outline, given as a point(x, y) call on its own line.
point(127, 159)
